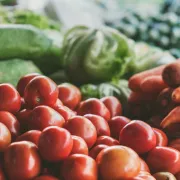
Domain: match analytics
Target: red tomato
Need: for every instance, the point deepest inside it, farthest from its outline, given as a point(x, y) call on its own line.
point(175, 144)
point(113, 105)
point(139, 136)
point(70, 95)
point(41, 91)
point(178, 176)
point(57, 104)
point(22, 83)
point(118, 162)
point(5, 137)
point(164, 159)
point(22, 161)
point(44, 116)
point(100, 124)
point(161, 138)
point(144, 166)
point(79, 146)
point(81, 126)
point(24, 117)
point(143, 176)
point(65, 112)
point(10, 121)
point(79, 167)
point(9, 98)
point(106, 140)
point(32, 136)
point(116, 124)
point(96, 150)
point(94, 106)
point(47, 177)
point(55, 143)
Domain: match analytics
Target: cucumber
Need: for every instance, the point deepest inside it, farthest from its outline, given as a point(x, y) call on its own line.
point(23, 41)
point(12, 70)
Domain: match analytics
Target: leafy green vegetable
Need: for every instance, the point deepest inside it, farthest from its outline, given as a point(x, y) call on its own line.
point(12, 70)
point(8, 2)
point(96, 55)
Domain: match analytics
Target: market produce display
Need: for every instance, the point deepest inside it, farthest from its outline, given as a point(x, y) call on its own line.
point(67, 138)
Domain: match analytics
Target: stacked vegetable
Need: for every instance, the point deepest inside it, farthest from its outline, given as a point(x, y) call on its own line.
point(161, 105)
point(48, 133)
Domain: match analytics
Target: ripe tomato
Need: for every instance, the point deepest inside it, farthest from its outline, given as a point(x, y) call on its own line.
point(164, 159)
point(57, 104)
point(143, 176)
point(46, 177)
point(9, 98)
point(100, 124)
point(79, 167)
point(23, 117)
point(70, 95)
point(79, 146)
point(41, 91)
point(5, 137)
point(161, 138)
point(44, 116)
point(113, 105)
point(94, 106)
point(106, 140)
point(55, 143)
point(139, 136)
point(81, 126)
point(10, 121)
point(144, 166)
point(96, 150)
point(175, 144)
point(23, 81)
point(65, 112)
point(32, 136)
point(22, 161)
point(116, 124)
point(118, 162)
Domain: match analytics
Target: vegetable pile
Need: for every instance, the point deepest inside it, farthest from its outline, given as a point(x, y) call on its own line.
point(48, 133)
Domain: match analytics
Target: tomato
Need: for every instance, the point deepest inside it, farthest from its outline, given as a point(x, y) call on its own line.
point(23, 81)
point(144, 166)
point(10, 121)
point(164, 176)
point(32, 136)
point(178, 176)
point(65, 112)
point(161, 138)
point(57, 104)
point(5, 137)
point(70, 95)
point(100, 124)
point(164, 159)
point(2, 175)
point(113, 105)
point(96, 150)
point(22, 161)
point(106, 140)
point(79, 146)
point(41, 91)
point(175, 144)
point(81, 126)
point(79, 167)
point(118, 162)
point(9, 98)
point(44, 116)
point(47, 177)
point(23, 117)
point(139, 136)
point(116, 124)
point(55, 143)
point(94, 106)
point(143, 176)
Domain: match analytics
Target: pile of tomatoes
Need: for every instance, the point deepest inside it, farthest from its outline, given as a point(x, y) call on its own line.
point(48, 133)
